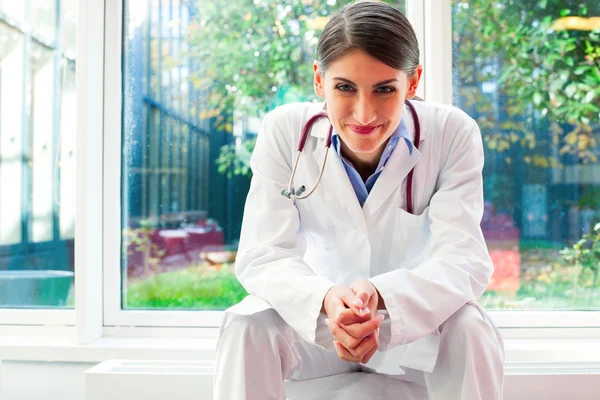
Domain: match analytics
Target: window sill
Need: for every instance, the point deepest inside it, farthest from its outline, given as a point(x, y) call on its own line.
point(202, 348)
point(63, 349)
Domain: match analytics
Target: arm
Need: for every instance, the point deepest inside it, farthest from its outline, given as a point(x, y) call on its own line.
point(458, 266)
point(269, 263)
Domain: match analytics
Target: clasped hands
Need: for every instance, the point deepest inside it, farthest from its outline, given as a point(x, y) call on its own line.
point(352, 319)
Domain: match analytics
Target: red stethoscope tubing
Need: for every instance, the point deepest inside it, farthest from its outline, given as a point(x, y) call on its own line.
point(323, 114)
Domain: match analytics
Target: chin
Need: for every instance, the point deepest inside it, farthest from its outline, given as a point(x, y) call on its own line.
point(360, 147)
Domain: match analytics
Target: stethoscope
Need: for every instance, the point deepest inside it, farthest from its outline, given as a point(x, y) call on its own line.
point(294, 195)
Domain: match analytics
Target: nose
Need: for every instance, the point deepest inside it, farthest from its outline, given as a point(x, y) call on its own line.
point(364, 111)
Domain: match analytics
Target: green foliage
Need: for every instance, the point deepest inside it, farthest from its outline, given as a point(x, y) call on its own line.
point(540, 68)
point(140, 237)
point(234, 160)
point(254, 56)
point(584, 255)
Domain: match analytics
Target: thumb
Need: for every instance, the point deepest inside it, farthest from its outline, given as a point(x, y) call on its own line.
point(363, 290)
point(361, 300)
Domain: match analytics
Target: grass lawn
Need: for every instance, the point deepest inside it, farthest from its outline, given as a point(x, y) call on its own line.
point(191, 288)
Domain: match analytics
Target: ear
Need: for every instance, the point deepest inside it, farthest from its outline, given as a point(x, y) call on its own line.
point(319, 81)
point(413, 82)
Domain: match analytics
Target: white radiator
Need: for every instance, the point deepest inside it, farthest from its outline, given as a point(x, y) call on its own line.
point(186, 380)
point(149, 380)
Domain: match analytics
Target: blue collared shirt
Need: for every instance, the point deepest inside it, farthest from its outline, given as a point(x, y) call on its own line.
point(362, 189)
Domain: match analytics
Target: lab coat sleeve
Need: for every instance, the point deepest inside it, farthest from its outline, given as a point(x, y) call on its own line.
point(458, 266)
point(269, 261)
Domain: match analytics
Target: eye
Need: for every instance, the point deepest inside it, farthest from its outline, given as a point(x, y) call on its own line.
point(385, 89)
point(344, 87)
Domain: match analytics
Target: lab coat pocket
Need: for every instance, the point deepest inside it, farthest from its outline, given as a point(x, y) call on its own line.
point(410, 239)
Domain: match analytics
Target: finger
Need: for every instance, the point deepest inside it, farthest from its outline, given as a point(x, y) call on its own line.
point(343, 353)
point(362, 299)
point(349, 299)
point(370, 354)
point(340, 335)
point(349, 317)
point(362, 330)
point(363, 348)
point(363, 286)
point(340, 307)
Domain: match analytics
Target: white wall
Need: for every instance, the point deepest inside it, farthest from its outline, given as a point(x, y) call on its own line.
point(40, 380)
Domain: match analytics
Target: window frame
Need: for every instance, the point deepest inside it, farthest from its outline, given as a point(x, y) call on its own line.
point(97, 240)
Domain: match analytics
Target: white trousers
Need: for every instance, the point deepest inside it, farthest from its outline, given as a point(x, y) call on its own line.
point(260, 357)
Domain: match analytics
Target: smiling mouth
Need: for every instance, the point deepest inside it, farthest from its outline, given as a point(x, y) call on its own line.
point(363, 130)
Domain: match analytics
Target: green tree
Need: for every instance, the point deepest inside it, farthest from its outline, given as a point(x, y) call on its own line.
point(254, 55)
point(585, 256)
point(539, 64)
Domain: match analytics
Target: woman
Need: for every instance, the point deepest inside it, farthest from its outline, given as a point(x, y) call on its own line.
point(349, 290)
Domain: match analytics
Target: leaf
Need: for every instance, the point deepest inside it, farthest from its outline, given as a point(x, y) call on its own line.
point(571, 89)
point(589, 97)
point(565, 12)
point(537, 98)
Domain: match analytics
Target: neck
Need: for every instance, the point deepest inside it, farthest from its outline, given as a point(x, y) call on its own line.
point(364, 163)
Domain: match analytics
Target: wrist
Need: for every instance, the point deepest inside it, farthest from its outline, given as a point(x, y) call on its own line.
point(324, 302)
point(380, 302)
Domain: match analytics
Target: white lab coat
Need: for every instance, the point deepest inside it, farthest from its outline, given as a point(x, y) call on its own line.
point(426, 266)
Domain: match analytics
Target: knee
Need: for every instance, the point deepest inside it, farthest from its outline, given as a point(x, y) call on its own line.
point(468, 328)
point(256, 327)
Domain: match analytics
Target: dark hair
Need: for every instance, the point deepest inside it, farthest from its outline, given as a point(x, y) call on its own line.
point(376, 28)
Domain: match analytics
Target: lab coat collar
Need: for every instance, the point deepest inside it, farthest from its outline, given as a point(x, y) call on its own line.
point(335, 179)
point(395, 171)
point(321, 127)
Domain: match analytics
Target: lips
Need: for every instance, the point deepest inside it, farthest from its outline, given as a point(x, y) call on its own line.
point(362, 129)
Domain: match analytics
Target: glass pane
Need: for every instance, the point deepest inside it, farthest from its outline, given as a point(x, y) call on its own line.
point(68, 26)
point(528, 73)
point(197, 80)
point(13, 10)
point(37, 140)
point(43, 18)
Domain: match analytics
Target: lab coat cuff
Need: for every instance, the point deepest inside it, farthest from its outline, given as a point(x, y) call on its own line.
point(317, 331)
point(397, 331)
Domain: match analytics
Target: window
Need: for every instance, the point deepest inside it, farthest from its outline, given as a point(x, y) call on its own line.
point(528, 73)
point(197, 79)
point(37, 153)
point(184, 91)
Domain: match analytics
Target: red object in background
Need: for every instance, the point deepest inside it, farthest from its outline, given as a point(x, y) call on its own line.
point(502, 238)
point(507, 267)
point(174, 248)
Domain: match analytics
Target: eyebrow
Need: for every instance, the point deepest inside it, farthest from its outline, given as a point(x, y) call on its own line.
point(375, 85)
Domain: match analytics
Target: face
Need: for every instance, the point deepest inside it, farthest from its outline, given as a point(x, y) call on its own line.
point(364, 100)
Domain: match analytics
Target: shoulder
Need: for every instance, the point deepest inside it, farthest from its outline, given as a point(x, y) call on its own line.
point(281, 129)
point(290, 116)
point(442, 117)
point(446, 125)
